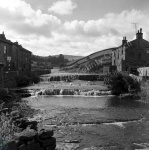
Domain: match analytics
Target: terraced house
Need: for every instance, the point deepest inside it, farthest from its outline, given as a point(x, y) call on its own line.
point(131, 55)
point(13, 56)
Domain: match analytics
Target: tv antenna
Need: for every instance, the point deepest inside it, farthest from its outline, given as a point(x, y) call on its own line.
point(135, 26)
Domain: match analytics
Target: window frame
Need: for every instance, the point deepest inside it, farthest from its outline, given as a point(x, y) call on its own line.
point(5, 49)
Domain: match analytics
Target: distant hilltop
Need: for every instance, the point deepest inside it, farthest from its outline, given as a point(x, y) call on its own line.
point(71, 57)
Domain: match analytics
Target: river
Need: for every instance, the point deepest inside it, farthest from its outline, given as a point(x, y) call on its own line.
point(103, 122)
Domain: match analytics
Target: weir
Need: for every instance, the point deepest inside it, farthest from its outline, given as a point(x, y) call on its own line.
point(64, 92)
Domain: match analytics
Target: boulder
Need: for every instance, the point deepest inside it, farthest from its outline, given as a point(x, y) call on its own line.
point(33, 146)
point(16, 117)
point(52, 147)
point(22, 147)
point(26, 135)
point(45, 133)
point(12, 145)
point(15, 113)
point(48, 142)
point(25, 123)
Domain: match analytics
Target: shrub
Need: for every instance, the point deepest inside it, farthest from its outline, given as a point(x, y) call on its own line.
point(120, 83)
point(27, 79)
point(34, 78)
point(3, 93)
point(22, 80)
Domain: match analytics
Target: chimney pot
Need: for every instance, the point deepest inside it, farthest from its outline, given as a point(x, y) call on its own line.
point(140, 30)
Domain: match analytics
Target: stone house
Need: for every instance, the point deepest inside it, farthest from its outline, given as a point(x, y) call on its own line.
point(131, 55)
point(13, 56)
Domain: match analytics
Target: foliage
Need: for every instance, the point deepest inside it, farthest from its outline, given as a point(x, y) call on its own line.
point(34, 78)
point(7, 127)
point(22, 81)
point(120, 83)
point(27, 79)
point(144, 94)
point(7, 95)
point(3, 94)
point(50, 61)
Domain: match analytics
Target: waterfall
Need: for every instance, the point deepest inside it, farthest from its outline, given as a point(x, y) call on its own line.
point(72, 92)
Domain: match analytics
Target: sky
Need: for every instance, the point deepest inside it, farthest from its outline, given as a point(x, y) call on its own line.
point(72, 27)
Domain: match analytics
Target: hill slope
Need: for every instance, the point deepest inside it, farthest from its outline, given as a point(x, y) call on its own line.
point(70, 57)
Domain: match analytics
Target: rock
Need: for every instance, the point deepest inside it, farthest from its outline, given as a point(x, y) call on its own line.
point(15, 113)
point(12, 145)
point(26, 135)
point(16, 117)
point(52, 147)
point(18, 121)
point(22, 147)
point(138, 146)
point(33, 146)
point(72, 141)
point(45, 133)
point(25, 123)
point(48, 142)
point(67, 146)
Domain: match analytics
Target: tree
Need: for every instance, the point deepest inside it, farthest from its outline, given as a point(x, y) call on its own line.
point(120, 83)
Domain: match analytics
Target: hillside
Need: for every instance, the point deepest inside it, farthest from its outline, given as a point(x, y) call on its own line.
point(40, 62)
point(91, 63)
point(71, 57)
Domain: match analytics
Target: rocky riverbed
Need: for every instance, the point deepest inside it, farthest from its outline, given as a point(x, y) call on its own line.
point(93, 122)
point(90, 122)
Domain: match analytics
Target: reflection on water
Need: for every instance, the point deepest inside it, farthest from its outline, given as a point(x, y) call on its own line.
point(114, 101)
point(87, 102)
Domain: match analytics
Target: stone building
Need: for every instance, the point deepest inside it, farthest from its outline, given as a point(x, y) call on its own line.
point(13, 56)
point(131, 55)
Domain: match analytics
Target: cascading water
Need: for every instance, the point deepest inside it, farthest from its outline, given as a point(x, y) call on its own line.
point(74, 92)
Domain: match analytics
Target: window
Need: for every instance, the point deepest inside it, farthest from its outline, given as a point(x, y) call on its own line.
point(5, 49)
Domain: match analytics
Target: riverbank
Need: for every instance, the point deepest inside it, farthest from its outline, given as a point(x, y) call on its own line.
point(102, 123)
point(88, 122)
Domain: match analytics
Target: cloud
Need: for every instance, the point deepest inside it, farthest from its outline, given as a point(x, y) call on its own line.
point(45, 34)
point(110, 24)
point(23, 19)
point(63, 7)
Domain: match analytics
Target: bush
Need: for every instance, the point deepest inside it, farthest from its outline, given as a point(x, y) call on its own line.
point(3, 94)
point(120, 83)
point(27, 79)
point(22, 80)
point(34, 78)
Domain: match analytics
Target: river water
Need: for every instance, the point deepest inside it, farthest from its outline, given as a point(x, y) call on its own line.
point(103, 122)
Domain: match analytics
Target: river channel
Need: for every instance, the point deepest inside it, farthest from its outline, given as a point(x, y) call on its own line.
point(93, 122)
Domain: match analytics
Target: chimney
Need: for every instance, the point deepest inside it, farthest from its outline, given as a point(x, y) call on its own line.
point(124, 41)
point(139, 35)
point(2, 36)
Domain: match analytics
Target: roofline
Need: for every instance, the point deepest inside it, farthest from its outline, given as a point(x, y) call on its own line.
point(13, 43)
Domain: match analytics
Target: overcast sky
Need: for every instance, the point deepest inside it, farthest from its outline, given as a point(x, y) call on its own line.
point(73, 27)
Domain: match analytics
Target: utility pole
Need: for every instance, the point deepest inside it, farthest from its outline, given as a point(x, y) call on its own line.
point(135, 26)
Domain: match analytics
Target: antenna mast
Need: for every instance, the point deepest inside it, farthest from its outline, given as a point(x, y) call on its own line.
point(135, 26)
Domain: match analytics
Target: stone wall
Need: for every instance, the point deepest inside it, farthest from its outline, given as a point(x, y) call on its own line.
point(24, 134)
point(30, 139)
